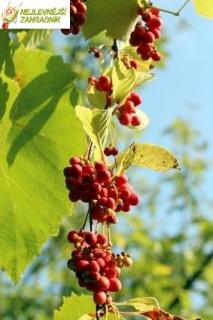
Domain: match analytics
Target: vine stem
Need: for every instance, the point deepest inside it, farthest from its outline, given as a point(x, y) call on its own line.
point(109, 236)
point(85, 221)
point(97, 309)
point(175, 13)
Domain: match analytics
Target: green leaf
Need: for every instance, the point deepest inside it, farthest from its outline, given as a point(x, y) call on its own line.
point(96, 124)
point(204, 8)
point(125, 80)
point(44, 134)
point(141, 304)
point(97, 99)
point(76, 308)
point(6, 61)
point(9, 90)
point(147, 156)
point(116, 17)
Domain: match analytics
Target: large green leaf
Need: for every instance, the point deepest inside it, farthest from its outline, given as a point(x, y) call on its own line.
point(44, 133)
point(9, 90)
point(76, 308)
point(116, 17)
point(204, 8)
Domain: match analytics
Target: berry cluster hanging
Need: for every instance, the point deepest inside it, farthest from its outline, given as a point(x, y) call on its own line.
point(98, 183)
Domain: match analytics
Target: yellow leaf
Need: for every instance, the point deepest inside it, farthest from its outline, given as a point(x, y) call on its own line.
point(204, 8)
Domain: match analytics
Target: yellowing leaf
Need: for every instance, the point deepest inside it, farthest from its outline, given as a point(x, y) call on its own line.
point(147, 156)
point(204, 8)
point(142, 305)
point(154, 157)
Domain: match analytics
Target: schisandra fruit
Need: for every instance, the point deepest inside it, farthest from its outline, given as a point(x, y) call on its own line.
point(96, 267)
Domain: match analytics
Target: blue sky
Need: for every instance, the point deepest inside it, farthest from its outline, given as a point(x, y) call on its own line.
point(188, 77)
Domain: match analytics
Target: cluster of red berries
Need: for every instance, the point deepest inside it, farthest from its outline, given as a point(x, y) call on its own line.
point(111, 151)
point(78, 11)
point(127, 111)
point(146, 32)
point(103, 83)
point(94, 183)
point(96, 267)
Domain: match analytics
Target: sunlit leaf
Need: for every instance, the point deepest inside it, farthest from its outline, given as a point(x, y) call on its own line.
point(76, 308)
point(44, 133)
point(204, 8)
point(116, 17)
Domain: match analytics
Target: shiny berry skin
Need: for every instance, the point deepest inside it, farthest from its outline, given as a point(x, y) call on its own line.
point(100, 297)
point(90, 238)
point(125, 118)
point(135, 98)
point(103, 283)
point(115, 285)
point(136, 121)
point(73, 237)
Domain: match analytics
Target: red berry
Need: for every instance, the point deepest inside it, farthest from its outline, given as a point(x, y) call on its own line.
point(115, 285)
point(101, 239)
point(148, 37)
point(121, 179)
point(155, 11)
point(156, 33)
point(110, 203)
point(105, 83)
point(82, 264)
point(79, 18)
point(133, 63)
point(101, 262)
point(136, 121)
point(109, 300)
point(73, 10)
point(81, 7)
point(75, 160)
point(155, 23)
point(134, 199)
point(93, 266)
point(135, 98)
point(103, 283)
point(99, 166)
point(104, 176)
point(156, 56)
point(100, 297)
point(125, 118)
point(129, 106)
point(111, 272)
point(90, 238)
point(114, 152)
point(73, 237)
